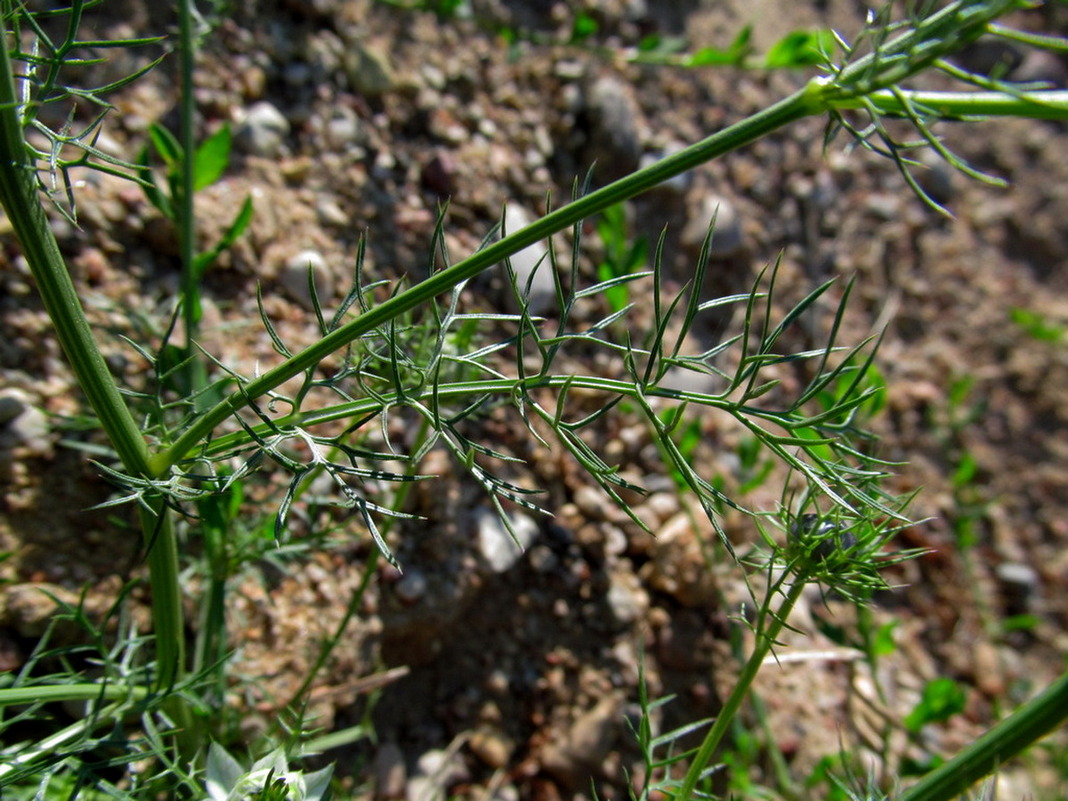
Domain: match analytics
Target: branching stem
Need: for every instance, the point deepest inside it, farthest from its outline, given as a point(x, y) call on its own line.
point(796, 106)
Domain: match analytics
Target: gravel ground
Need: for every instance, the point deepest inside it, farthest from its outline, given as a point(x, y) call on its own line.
point(512, 674)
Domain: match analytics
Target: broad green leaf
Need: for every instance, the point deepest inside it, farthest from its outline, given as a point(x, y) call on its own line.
point(584, 27)
point(212, 158)
point(736, 53)
point(204, 260)
point(156, 196)
point(167, 146)
point(1036, 326)
point(799, 49)
point(942, 699)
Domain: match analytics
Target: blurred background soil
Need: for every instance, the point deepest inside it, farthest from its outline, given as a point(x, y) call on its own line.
point(356, 118)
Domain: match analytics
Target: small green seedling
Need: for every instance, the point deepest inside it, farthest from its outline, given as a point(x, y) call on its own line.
point(1036, 326)
point(184, 370)
point(942, 698)
point(211, 159)
point(622, 256)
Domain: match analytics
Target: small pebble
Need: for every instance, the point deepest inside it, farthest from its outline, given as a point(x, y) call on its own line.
point(23, 424)
point(262, 131)
point(531, 266)
point(11, 406)
point(412, 586)
point(389, 772)
point(626, 599)
point(439, 174)
point(330, 212)
point(542, 559)
point(591, 502)
point(294, 277)
point(613, 117)
point(495, 542)
point(935, 177)
point(727, 236)
point(497, 682)
point(343, 128)
point(581, 751)
point(1019, 584)
point(492, 746)
point(368, 69)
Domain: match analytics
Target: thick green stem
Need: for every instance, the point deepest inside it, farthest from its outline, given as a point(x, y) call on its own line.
point(1035, 719)
point(168, 621)
point(21, 200)
point(767, 636)
point(210, 649)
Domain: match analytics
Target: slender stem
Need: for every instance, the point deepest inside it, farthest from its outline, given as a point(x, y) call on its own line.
point(168, 621)
point(766, 639)
point(44, 694)
point(1035, 719)
point(327, 646)
point(21, 201)
point(185, 211)
point(496, 386)
point(792, 108)
point(1045, 104)
point(817, 97)
point(210, 647)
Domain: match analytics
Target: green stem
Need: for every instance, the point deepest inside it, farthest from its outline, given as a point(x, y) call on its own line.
point(766, 639)
point(1035, 719)
point(157, 524)
point(185, 212)
point(792, 108)
point(327, 646)
point(210, 648)
point(494, 386)
point(21, 200)
point(46, 694)
point(1045, 104)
